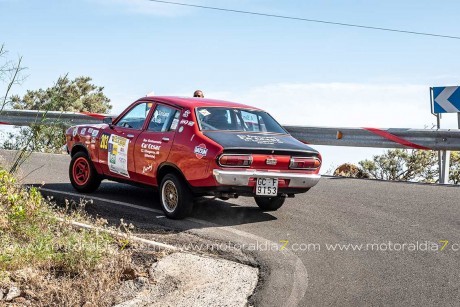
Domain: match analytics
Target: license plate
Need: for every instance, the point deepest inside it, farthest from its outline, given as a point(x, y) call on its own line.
point(267, 186)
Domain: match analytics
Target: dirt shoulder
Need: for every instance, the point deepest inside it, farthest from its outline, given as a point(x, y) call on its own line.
point(49, 259)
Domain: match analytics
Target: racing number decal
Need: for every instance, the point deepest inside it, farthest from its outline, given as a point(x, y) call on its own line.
point(104, 141)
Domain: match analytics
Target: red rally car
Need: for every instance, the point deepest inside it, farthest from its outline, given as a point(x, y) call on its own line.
point(188, 147)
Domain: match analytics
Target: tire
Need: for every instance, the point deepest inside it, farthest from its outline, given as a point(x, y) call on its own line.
point(175, 197)
point(82, 174)
point(270, 203)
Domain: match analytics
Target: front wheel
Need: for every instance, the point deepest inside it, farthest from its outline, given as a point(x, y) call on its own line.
point(83, 175)
point(270, 203)
point(175, 197)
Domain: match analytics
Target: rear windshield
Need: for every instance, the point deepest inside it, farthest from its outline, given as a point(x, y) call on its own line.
point(219, 118)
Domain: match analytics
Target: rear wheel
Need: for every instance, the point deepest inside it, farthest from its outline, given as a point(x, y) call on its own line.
point(270, 203)
point(175, 197)
point(83, 175)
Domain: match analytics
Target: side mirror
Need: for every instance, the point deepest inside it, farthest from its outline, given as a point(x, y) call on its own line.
point(107, 120)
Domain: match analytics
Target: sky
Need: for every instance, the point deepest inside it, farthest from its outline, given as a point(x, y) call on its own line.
point(302, 73)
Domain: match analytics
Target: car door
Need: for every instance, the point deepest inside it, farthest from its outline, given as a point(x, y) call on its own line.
point(117, 144)
point(154, 143)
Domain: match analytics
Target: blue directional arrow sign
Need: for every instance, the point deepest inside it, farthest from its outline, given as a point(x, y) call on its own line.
point(446, 99)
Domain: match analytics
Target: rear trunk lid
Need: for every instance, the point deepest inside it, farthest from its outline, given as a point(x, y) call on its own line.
point(260, 143)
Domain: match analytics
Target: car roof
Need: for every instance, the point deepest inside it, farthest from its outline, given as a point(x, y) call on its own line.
point(189, 102)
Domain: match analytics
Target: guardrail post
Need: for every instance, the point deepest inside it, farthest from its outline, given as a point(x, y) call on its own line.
point(445, 167)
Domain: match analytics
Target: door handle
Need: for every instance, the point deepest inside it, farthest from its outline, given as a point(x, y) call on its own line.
point(166, 140)
point(130, 136)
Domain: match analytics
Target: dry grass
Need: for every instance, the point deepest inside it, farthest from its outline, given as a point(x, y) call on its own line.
point(53, 263)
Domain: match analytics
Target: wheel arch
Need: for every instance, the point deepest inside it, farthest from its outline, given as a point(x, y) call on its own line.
point(78, 148)
point(168, 168)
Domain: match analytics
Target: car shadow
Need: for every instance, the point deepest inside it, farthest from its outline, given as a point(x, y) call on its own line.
point(114, 201)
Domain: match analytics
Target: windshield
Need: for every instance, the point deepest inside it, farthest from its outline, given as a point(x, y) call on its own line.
point(220, 118)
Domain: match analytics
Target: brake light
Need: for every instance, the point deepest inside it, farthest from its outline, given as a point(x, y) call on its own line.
point(235, 160)
point(305, 163)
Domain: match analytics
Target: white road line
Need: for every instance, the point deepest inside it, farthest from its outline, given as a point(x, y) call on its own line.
point(121, 203)
point(300, 283)
point(123, 235)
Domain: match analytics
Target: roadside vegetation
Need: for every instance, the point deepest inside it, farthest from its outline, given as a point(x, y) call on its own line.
point(402, 165)
point(66, 95)
point(46, 261)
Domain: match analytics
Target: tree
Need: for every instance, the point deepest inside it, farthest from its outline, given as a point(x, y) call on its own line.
point(10, 75)
point(65, 95)
point(454, 174)
point(403, 165)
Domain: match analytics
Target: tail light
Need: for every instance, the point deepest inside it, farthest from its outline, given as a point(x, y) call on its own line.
point(235, 160)
point(311, 163)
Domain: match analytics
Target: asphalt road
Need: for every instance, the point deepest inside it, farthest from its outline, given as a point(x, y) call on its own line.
point(395, 217)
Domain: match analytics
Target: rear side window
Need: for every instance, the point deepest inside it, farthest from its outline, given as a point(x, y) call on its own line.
point(164, 119)
point(233, 119)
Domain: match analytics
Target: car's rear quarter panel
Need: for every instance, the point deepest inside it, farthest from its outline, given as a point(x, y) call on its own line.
point(197, 169)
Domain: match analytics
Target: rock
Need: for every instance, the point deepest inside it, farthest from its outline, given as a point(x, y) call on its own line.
point(13, 293)
point(23, 275)
point(350, 170)
point(2, 294)
point(30, 295)
point(22, 301)
point(88, 304)
point(141, 281)
point(128, 274)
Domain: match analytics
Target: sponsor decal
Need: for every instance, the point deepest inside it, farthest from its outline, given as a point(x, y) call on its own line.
point(260, 139)
point(249, 117)
point(117, 152)
point(74, 132)
point(150, 148)
point(271, 161)
point(83, 131)
point(186, 113)
point(187, 122)
point(200, 151)
point(174, 124)
point(147, 169)
point(95, 133)
point(163, 113)
point(204, 112)
point(90, 130)
point(181, 128)
point(104, 141)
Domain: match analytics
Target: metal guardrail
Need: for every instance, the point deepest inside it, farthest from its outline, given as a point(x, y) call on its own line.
point(27, 118)
point(441, 139)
